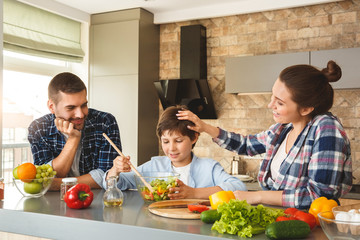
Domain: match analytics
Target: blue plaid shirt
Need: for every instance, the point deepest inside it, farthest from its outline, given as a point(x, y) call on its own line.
point(319, 163)
point(96, 153)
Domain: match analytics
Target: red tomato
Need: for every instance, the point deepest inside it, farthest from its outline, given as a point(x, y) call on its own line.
point(197, 208)
point(284, 218)
point(306, 217)
point(291, 211)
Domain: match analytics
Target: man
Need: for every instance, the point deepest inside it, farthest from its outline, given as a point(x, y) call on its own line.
point(70, 138)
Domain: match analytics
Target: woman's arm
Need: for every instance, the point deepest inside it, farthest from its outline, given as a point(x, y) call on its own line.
point(260, 197)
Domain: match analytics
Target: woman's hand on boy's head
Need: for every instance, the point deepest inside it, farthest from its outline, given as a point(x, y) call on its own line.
point(181, 191)
point(188, 115)
point(200, 126)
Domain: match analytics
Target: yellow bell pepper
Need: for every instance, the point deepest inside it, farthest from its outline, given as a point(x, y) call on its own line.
point(220, 197)
point(322, 204)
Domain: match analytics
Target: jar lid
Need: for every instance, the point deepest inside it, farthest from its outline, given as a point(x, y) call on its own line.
point(69, 180)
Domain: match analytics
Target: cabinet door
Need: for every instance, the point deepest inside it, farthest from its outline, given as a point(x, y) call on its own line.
point(349, 61)
point(257, 74)
point(119, 96)
point(115, 48)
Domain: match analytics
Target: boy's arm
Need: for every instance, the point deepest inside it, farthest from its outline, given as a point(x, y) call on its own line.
point(183, 191)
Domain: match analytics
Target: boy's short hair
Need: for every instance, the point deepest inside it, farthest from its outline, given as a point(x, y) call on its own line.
point(168, 121)
point(65, 82)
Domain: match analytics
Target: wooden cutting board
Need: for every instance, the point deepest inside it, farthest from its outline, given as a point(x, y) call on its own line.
point(171, 209)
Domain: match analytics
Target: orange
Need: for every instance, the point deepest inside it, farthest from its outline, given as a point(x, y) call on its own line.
point(26, 172)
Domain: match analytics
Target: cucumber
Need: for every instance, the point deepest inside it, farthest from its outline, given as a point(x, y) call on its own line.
point(290, 229)
point(210, 216)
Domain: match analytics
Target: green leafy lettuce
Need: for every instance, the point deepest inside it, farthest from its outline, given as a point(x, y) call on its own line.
point(239, 217)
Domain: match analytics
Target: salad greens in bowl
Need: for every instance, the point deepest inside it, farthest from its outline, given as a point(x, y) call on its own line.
point(161, 182)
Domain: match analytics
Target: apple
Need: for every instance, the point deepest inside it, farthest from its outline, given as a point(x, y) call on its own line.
point(32, 187)
point(15, 173)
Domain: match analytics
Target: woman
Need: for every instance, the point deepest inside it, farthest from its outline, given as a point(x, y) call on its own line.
point(307, 152)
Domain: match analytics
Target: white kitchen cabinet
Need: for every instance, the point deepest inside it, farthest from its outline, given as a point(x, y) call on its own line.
point(124, 63)
point(349, 61)
point(257, 74)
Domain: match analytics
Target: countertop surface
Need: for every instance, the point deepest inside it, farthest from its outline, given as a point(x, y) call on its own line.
point(49, 217)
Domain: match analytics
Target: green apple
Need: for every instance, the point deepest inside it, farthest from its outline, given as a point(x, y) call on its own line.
point(15, 173)
point(32, 187)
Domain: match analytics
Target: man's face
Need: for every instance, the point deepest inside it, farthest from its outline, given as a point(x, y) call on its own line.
point(71, 107)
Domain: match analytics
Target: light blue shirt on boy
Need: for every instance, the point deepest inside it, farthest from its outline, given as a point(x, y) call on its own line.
point(204, 172)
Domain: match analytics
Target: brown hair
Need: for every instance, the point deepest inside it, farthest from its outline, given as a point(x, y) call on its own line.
point(310, 87)
point(65, 82)
point(168, 121)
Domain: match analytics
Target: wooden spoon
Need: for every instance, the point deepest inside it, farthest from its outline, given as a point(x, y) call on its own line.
point(132, 166)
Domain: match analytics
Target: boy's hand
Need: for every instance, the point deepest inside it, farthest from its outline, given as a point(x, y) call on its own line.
point(67, 128)
point(120, 164)
point(181, 191)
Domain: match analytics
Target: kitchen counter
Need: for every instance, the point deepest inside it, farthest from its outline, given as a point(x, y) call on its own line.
point(49, 217)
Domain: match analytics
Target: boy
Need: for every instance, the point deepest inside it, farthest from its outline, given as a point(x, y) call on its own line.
point(199, 177)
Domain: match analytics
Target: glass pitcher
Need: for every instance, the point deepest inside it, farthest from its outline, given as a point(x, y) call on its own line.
point(113, 197)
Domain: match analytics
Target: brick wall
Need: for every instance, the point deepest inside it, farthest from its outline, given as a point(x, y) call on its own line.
point(319, 27)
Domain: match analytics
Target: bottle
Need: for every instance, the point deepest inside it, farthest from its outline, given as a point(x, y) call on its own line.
point(113, 197)
point(235, 166)
point(2, 188)
point(66, 184)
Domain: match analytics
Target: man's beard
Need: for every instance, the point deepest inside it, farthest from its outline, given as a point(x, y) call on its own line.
point(78, 126)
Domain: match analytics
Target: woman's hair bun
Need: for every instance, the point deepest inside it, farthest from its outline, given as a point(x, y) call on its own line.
point(332, 71)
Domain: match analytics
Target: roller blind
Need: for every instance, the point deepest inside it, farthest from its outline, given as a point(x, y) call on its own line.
point(30, 30)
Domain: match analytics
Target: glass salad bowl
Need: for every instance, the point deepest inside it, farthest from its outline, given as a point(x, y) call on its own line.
point(161, 182)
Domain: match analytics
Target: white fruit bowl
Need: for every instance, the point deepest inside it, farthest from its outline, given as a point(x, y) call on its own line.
point(32, 187)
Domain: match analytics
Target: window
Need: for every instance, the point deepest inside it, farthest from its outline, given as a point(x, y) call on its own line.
point(25, 82)
point(26, 75)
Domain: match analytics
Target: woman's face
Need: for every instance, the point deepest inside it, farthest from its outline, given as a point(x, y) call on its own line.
point(285, 110)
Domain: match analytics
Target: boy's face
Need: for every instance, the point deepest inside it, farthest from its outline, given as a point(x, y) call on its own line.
point(177, 147)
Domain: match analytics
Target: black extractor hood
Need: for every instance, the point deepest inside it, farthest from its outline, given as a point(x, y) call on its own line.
point(192, 88)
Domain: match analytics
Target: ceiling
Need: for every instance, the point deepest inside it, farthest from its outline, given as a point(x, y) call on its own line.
point(166, 11)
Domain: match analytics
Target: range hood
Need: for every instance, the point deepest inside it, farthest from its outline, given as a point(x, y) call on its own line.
point(192, 88)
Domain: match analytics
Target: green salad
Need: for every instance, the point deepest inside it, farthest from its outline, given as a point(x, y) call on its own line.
point(239, 217)
point(161, 189)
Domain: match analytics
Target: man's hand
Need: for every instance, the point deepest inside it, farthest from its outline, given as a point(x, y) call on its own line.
point(67, 128)
point(62, 163)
